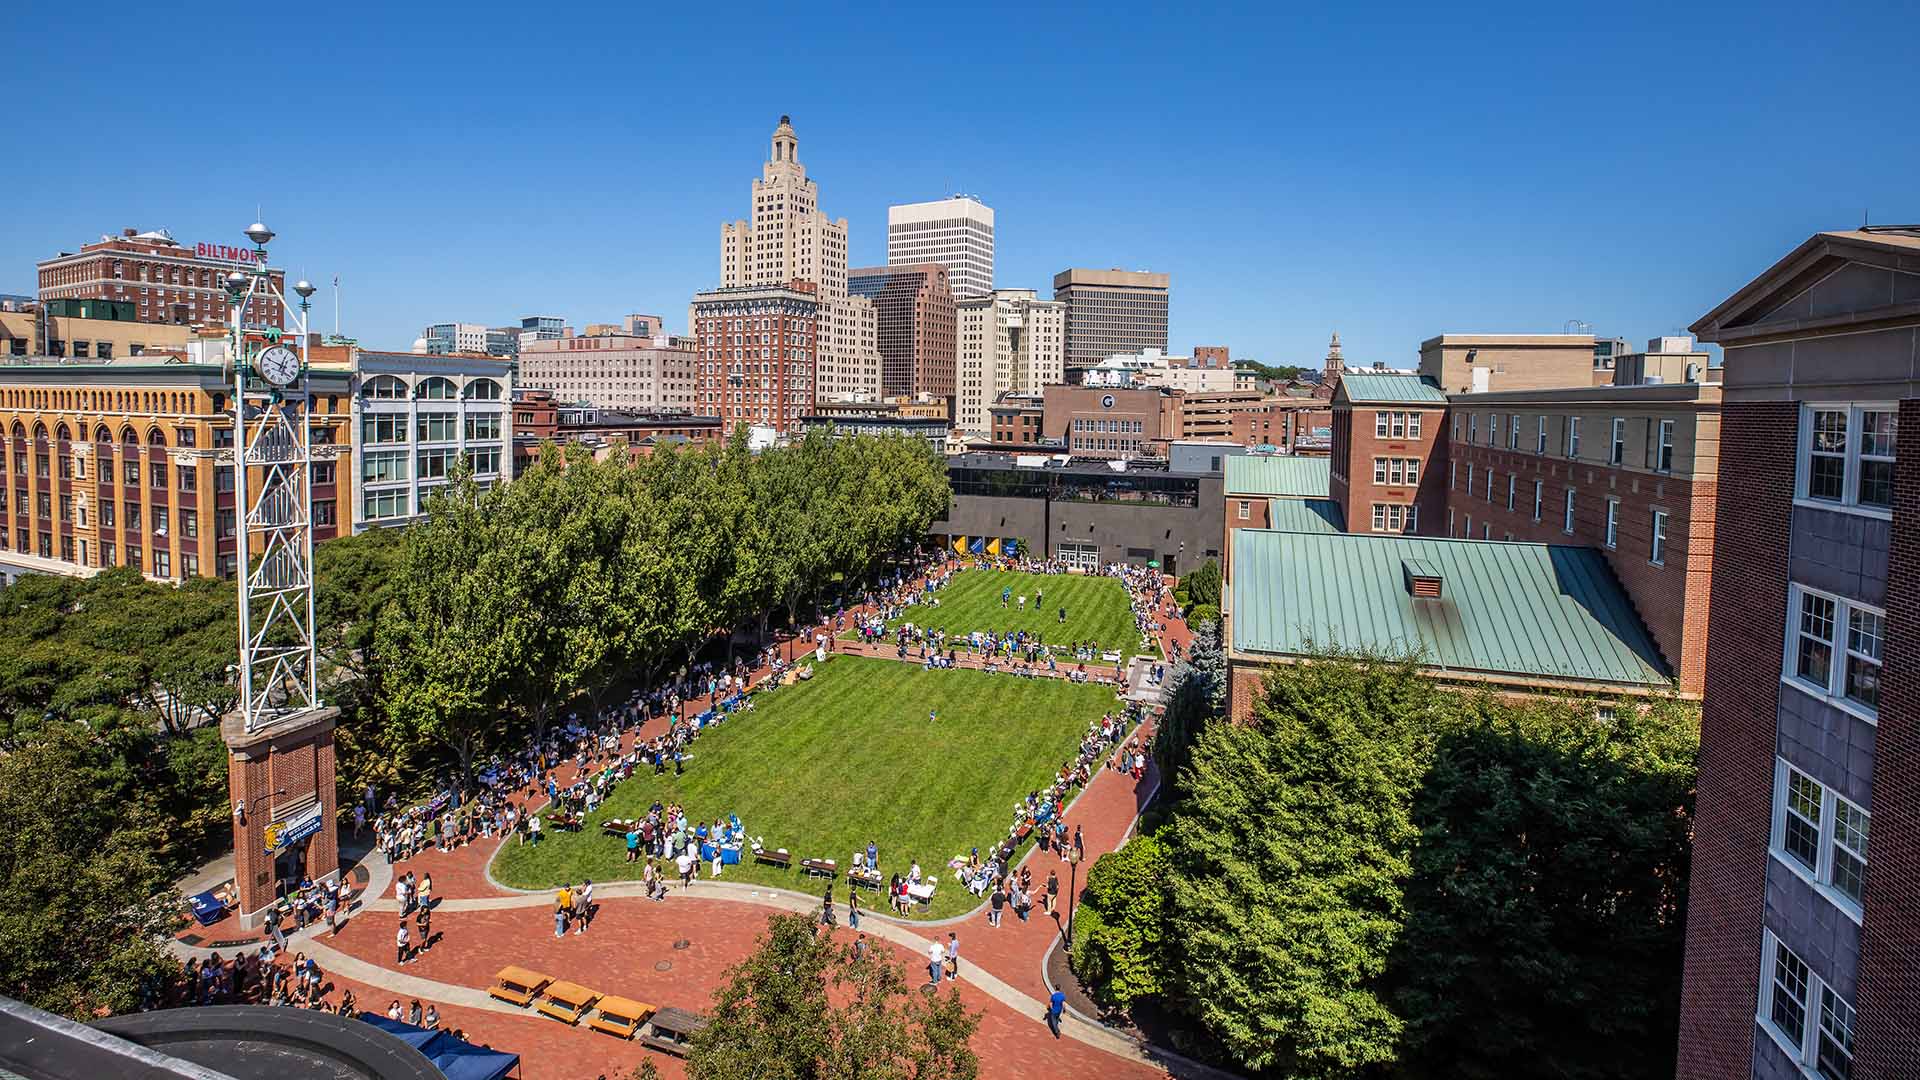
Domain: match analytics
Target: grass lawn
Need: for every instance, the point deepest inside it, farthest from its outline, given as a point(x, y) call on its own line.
point(824, 766)
point(1097, 608)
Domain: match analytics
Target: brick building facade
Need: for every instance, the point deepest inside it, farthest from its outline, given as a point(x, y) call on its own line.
point(166, 281)
point(1399, 420)
point(755, 364)
point(916, 323)
point(1628, 470)
point(1803, 941)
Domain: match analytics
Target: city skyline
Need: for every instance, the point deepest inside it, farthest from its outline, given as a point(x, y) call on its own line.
point(1324, 178)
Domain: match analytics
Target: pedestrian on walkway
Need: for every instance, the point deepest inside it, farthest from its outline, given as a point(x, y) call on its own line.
point(424, 920)
point(826, 909)
point(274, 931)
point(1052, 896)
point(853, 908)
point(936, 962)
point(1056, 1007)
point(953, 955)
point(426, 889)
point(860, 947)
point(997, 902)
point(583, 907)
point(400, 944)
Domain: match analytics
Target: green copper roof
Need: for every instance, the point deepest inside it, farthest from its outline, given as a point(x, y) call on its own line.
point(1278, 475)
point(1505, 609)
point(1391, 389)
point(1307, 515)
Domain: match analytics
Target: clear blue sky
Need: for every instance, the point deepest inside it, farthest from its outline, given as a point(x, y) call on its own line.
point(1387, 171)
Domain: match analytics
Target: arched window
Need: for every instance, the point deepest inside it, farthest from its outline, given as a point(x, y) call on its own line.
point(482, 390)
point(127, 436)
point(436, 389)
point(384, 388)
point(102, 435)
point(156, 438)
point(39, 432)
point(19, 432)
point(63, 433)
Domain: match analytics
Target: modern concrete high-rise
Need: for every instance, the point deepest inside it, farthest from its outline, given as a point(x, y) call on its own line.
point(957, 233)
point(1803, 938)
point(444, 338)
point(1009, 341)
point(1109, 312)
point(917, 322)
point(789, 239)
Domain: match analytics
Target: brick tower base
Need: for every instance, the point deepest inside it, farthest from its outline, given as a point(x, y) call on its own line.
point(283, 776)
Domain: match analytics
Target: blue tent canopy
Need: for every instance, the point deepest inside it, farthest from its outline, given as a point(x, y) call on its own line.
point(456, 1058)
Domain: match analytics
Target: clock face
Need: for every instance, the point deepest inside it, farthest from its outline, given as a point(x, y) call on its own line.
point(278, 364)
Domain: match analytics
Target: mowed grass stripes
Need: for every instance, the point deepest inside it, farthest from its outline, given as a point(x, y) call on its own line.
point(1098, 609)
point(825, 766)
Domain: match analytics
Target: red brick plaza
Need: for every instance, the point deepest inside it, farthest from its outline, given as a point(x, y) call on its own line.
point(674, 953)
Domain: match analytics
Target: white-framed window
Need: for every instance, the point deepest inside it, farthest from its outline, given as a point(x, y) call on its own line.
point(1834, 649)
point(1657, 550)
point(1246, 510)
point(1469, 480)
point(1396, 471)
point(1846, 455)
point(1493, 429)
point(1540, 447)
point(1573, 436)
point(1539, 496)
point(1820, 836)
point(1567, 522)
point(1453, 477)
point(1807, 1018)
point(1617, 448)
point(1396, 425)
point(1513, 432)
point(1664, 461)
point(1473, 427)
point(1613, 523)
point(1395, 517)
point(1513, 484)
point(1456, 427)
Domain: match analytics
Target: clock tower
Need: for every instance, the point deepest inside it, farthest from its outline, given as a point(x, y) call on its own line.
point(280, 764)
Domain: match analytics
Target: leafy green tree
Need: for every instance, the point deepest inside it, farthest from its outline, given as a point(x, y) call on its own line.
point(1118, 931)
point(1285, 865)
point(1196, 695)
point(801, 1005)
point(84, 896)
point(1549, 894)
point(1203, 586)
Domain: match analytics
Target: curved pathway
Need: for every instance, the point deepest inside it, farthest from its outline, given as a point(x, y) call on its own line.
point(675, 952)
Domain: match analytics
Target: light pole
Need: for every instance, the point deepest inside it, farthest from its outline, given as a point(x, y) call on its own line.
point(1073, 887)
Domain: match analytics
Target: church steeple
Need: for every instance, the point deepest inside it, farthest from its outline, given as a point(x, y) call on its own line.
point(1335, 363)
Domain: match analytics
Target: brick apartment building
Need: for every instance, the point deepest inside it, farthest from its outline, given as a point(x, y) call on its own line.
point(1803, 944)
point(1095, 422)
point(1627, 470)
point(916, 324)
point(756, 357)
point(166, 281)
point(1389, 453)
point(1293, 425)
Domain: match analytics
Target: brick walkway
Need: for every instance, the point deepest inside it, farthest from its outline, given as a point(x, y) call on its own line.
point(630, 951)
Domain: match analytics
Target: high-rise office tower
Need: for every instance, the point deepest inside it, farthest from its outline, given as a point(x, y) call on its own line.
point(789, 239)
point(957, 233)
point(1110, 312)
point(914, 306)
point(1010, 342)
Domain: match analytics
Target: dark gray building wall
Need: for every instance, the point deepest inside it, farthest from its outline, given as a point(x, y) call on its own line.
point(1179, 537)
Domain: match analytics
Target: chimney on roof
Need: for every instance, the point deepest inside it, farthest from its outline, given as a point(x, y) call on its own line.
point(1422, 579)
point(129, 232)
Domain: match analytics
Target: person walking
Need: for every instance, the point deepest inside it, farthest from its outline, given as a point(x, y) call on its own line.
point(1056, 1007)
point(826, 909)
point(997, 902)
point(400, 939)
point(583, 907)
point(423, 919)
point(1052, 895)
point(953, 955)
point(936, 962)
point(853, 908)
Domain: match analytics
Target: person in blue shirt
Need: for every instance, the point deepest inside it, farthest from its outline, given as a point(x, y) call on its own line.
point(1056, 1007)
point(873, 856)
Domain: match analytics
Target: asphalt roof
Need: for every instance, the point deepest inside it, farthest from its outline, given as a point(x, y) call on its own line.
point(1307, 515)
point(1506, 609)
point(1277, 475)
point(1391, 389)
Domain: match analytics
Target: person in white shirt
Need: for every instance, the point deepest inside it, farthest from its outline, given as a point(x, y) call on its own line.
point(936, 960)
point(582, 907)
point(953, 955)
point(684, 863)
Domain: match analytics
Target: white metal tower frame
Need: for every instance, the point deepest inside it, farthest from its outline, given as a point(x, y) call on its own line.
point(278, 676)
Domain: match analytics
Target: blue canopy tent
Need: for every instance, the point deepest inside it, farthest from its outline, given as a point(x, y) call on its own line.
point(457, 1059)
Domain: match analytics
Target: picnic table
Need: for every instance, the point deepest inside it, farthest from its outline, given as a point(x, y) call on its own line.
point(622, 1017)
point(671, 1029)
point(517, 985)
point(567, 1002)
point(778, 857)
point(865, 879)
point(921, 893)
point(619, 827)
point(826, 868)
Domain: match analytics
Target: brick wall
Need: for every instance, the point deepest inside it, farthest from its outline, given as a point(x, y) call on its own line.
point(1738, 725)
point(1672, 598)
point(1243, 689)
point(1887, 1034)
point(272, 774)
point(1357, 445)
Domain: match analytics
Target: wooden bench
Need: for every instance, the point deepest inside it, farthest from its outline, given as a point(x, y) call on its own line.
point(567, 1002)
point(620, 1016)
point(518, 986)
point(778, 858)
point(671, 1029)
point(825, 868)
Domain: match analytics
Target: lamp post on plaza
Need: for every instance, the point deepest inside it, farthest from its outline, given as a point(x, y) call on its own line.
point(1073, 887)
